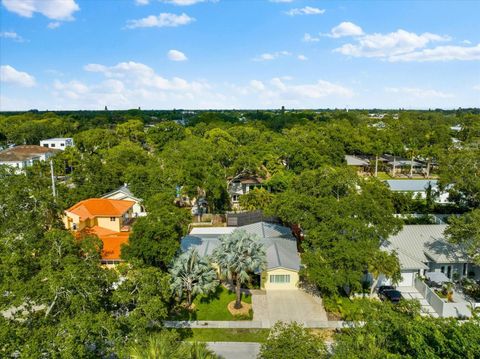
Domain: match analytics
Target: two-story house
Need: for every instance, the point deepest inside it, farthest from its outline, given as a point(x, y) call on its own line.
point(108, 219)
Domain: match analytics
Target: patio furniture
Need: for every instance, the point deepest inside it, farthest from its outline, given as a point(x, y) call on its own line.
point(437, 279)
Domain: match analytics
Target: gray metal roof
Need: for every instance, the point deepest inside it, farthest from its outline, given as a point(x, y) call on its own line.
point(280, 245)
point(425, 243)
point(355, 161)
point(411, 185)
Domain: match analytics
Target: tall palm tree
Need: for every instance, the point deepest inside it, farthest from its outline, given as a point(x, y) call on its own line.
point(192, 275)
point(238, 256)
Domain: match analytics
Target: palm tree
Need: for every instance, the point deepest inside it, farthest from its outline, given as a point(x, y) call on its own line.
point(167, 345)
point(192, 275)
point(238, 255)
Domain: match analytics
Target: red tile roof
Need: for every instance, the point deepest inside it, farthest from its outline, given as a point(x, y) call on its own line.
point(112, 241)
point(100, 207)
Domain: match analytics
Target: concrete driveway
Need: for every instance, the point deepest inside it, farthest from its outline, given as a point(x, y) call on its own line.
point(287, 305)
point(234, 350)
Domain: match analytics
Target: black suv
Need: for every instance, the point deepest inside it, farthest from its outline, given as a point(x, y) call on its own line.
point(388, 292)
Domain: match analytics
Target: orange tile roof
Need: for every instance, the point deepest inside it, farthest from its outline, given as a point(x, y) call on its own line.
point(100, 207)
point(112, 241)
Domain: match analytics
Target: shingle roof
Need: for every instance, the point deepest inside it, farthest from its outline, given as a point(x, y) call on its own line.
point(411, 185)
point(100, 207)
point(426, 243)
point(280, 245)
point(25, 152)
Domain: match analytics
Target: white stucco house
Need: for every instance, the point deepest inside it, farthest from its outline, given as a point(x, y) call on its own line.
point(124, 193)
point(423, 248)
point(57, 143)
point(240, 185)
point(20, 157)
point(283, 260)
point(418, 189)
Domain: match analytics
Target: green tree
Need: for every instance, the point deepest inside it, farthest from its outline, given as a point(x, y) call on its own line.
point(258, 198)
point(292, 341)
point(238, 255)
point(384, 263)
point(465, 231)
point(192, 275)
point(155, 239)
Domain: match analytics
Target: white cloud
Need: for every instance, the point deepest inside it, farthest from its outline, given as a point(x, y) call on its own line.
point(54, 25)
point(280, 89)
point(307, 10)
point(271, 56)
point(142, 2)
point(8, 74)
point(476, 87)
point(281, 1)
point(440, 53)
point(466, 42)
point(163, 20)
point(391, 44)
point(302, 57)
point(419, 93)
point(53, 9)
point(346, 28)
point(176, 55)
point(12, 35)
point(309, 38)
point(183, 2)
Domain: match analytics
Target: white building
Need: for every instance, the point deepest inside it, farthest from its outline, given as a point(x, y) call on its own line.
point(23, 156)
point(124, 193)
point(419, 188)
point(58, 143)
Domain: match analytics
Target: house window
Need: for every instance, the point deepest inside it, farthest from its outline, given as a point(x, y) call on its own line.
point(442, 269)
point(280, 278)
point(112, 219)
point(235, 198)
point(74, 226)
point(464, 271)
point(62, 145)
point(52, 145)
point(45, 145)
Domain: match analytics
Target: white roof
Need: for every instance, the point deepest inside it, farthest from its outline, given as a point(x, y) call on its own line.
point(211, 230)
point(58, 139)
point(411, 185)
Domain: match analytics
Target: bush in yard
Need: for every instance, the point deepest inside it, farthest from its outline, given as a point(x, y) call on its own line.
point(292, 341)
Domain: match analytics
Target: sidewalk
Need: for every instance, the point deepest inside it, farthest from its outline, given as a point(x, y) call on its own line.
point(253, 324)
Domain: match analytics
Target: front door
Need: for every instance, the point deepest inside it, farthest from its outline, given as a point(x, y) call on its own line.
point(449, 272)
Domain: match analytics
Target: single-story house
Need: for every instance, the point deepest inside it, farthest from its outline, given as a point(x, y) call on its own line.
point(58, 143)
point(23, 156)
point(418, 189)
point(283, 260)
point(423, 248)
point(123, 193)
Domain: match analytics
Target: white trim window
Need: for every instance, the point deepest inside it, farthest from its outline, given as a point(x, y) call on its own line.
point(279, 278)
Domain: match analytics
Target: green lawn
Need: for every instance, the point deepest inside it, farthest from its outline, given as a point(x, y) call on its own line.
point(213, 307)
point(224, 335)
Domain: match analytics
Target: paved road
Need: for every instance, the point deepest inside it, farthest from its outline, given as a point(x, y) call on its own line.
point(233, 350)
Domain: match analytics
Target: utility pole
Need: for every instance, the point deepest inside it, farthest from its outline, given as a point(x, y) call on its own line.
point(54, 192)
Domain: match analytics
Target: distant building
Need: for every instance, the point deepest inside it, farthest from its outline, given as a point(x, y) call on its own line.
point(108, 219)
point(362, 165)
point(57, 143)
point(418, 189)
point(240, 185)
point(24, 156)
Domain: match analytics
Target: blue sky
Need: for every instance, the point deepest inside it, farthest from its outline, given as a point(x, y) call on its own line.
point(200, 54)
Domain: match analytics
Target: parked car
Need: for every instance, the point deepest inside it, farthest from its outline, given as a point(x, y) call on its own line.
point(388, 292)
